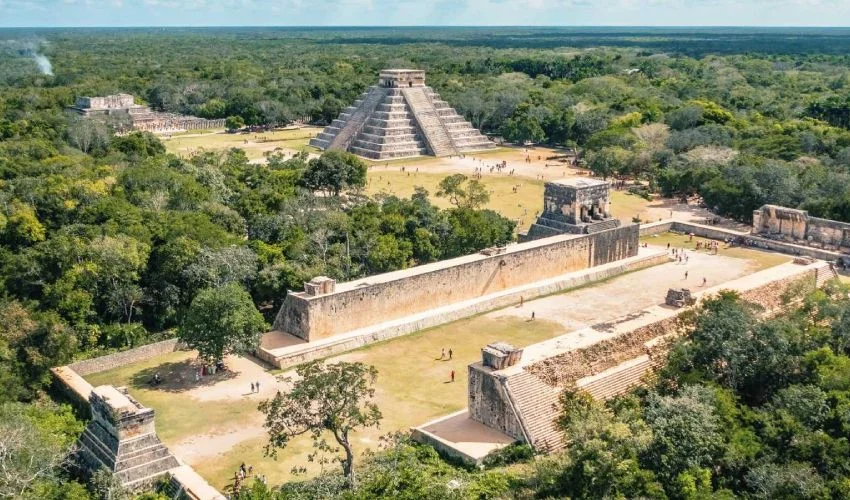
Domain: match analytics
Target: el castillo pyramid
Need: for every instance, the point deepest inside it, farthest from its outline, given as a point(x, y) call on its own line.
point(401, 117)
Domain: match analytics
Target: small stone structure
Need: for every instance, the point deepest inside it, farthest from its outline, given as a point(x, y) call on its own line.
point(320, 285)
point(121, 438)
point(401, 117)
point(797, 226)
point(326, 308)
point(500, 355)
point(573, 206)
point(122, 110)
point(678, 297)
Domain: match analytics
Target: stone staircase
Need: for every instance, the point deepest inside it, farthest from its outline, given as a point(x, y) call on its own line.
point(825, 273)
point(535, 404)
point(604, 225)
point(429, 121)
point(401, 122)
point(355, 122)
point(616, 380)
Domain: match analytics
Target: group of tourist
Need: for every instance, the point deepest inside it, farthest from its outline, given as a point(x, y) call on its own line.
point(243, 473)
point(255, 387)
point(444, 358)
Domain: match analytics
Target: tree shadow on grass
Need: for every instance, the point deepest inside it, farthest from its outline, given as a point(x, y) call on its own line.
point(178, 377)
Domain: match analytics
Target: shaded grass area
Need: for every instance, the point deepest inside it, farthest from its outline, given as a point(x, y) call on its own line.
point(178, 415)
point(257, 143)
point(413, 387)
point(760, 259)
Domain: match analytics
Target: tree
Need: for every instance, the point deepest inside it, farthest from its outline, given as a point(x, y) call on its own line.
point(222, 321)
point(463, 193)
point(686, 431)
point(334, 172)
point(335, 398)
point(608, 161)
point(35, 442)
point(233, 123)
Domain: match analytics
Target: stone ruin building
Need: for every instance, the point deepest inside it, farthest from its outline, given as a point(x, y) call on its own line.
point(121, 438)
point(573, 206)
point(797, 226)
point(122, 110)
point(401, 117)
point(516, 391)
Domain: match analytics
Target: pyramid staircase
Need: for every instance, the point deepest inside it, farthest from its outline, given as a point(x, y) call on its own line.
point(386, 123)
point(429, 121)
point(120, 438)
point(535, 405)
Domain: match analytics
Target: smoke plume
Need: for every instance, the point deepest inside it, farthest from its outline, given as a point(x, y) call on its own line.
point(43, 63)
point(29, 49)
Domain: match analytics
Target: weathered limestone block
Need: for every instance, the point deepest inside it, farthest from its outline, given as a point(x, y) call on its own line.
point(678, 297)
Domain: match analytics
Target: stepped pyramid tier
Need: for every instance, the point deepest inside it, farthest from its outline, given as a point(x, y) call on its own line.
point(573, 206)
point(121, 438)
point(401, 117)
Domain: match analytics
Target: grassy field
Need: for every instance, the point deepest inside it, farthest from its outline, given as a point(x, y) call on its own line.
point(413, 387)
point(521, 205)
point(254, 145)
point(760, 258)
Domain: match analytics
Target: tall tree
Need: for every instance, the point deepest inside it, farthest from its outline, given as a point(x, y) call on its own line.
point(222, 321)
point(335, 398)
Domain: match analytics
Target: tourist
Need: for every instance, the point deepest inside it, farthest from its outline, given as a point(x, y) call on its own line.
point(532, 315)
point(704, 281)
point(450, 353)
point(252, 388)
point(453, 375)
point(258, 387)
point(686, 275)
point(521, 300)
point(442, 353)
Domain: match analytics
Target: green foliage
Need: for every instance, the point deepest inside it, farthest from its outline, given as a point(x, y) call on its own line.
point(221, 321)
point(36, 440)
point(335, 398)
point(462, 192)
point(511, 454)
point(334, 172)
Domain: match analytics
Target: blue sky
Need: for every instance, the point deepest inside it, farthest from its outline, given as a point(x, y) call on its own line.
point(424, 12)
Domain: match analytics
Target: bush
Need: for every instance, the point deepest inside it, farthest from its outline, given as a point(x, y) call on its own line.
point(511, 454)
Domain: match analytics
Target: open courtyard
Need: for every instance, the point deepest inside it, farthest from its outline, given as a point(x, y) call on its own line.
point(213, 423)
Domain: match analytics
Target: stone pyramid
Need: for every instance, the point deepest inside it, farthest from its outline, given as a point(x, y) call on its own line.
point(401, 117)
point(121, 438)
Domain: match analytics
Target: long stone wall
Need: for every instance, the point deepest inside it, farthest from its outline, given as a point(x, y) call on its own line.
point(398, 294)
point(110, 361)
point(391, 329)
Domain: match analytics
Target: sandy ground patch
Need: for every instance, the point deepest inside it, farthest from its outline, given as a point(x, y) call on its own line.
point(630, 292)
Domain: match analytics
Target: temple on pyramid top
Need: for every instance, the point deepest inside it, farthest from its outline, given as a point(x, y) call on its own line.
point(401, 117)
